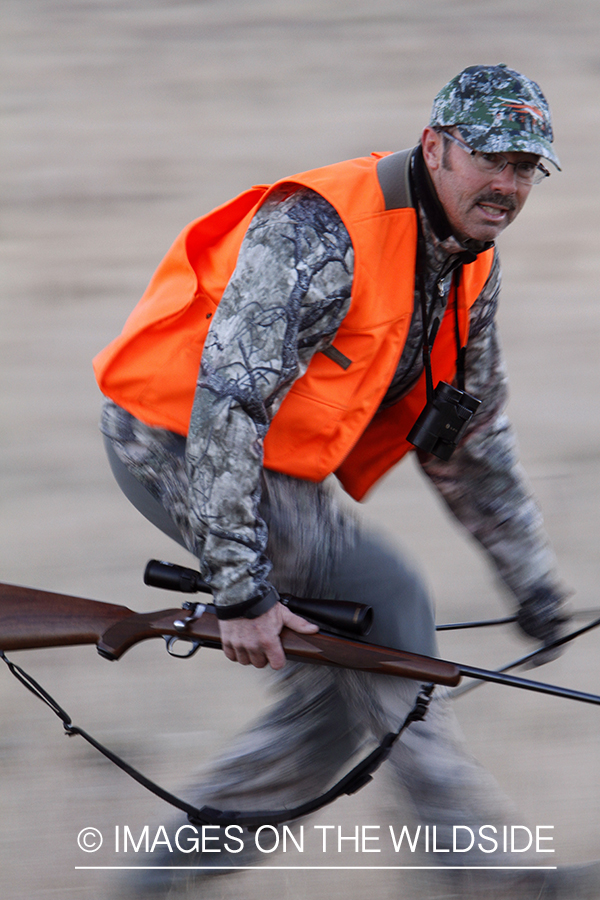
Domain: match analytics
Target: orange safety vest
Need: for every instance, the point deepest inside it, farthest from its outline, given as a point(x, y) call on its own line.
point(329, 420)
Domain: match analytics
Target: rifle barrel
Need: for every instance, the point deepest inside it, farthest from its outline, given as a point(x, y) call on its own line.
point(528, 684)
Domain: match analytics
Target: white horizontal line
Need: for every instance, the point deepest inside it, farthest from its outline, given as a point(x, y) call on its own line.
point(337, 868)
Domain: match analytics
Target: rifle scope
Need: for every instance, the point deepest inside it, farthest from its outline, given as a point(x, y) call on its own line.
point(341, 615)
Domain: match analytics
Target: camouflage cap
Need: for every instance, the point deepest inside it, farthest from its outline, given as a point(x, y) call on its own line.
point(497, 110)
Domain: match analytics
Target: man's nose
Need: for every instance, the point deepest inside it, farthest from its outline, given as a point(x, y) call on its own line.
point(506, 180)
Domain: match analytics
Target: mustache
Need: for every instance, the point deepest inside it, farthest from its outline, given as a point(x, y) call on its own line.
point(508, 201)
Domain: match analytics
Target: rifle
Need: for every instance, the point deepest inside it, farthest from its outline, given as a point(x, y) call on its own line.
point(32, 618)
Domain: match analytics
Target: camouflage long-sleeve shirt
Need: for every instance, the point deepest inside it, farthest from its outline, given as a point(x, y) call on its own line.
point(285, 301)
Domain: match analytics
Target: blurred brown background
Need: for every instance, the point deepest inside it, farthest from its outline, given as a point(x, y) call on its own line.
point(121, 121)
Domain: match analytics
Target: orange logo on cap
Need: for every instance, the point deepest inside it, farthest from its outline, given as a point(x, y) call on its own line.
point(522, 107)
point(524, 113)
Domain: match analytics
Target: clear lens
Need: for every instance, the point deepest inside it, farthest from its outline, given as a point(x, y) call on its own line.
point(494, 163)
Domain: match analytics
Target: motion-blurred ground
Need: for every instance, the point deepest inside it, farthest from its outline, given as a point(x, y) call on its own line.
point(121, 121)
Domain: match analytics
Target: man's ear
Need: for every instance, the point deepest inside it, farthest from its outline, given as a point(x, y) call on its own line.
point(432, 143)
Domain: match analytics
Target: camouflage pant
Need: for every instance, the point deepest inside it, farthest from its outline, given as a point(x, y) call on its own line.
point(323, 717)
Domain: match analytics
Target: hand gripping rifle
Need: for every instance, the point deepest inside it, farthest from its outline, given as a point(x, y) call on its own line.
point(31, 619)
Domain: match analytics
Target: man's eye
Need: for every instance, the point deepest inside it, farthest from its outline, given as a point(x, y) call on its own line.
point(491, 159)
point(526, 168)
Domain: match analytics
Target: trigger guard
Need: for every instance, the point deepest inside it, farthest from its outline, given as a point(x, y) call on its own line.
point(171, 640)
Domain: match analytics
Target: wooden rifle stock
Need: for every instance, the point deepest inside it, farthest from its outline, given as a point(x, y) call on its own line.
point(31, 619)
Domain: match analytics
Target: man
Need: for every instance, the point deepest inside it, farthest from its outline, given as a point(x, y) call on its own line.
point(320, 314)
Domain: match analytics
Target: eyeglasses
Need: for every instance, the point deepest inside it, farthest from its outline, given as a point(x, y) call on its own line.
point(527, 171)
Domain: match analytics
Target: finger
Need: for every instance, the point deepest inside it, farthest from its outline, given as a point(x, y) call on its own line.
point(236, 654)
point(274, 654)
point(229, 652)
point(297, 623)
point(258, 659)
point(243, 656)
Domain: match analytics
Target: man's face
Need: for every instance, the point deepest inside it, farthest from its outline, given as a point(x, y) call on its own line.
point(478, 205)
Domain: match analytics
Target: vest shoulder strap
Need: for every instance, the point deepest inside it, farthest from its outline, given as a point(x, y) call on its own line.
point(393, 172)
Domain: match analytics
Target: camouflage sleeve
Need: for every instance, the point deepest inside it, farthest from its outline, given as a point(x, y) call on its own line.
point(285, 301)
point(483, 483)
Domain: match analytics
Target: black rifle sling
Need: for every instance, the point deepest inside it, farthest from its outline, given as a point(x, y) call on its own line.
point(359, 776)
